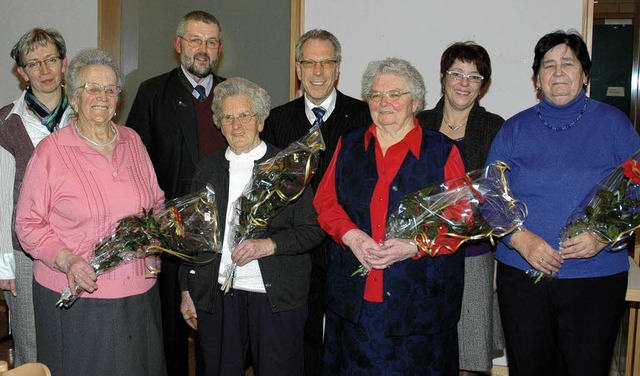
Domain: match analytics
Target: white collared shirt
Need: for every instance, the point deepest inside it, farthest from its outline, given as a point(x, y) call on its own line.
point(207, 83)
point(328, 104)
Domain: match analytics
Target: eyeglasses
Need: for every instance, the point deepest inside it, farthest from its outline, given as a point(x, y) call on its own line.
point(36, 65)
point(458, 76)
point(94, 89)
point(195, 42)
point(243, 118)
point(391, 95)
point(325, 64)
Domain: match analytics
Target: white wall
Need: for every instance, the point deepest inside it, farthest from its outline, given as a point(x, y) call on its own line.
point(419, 31)
point(76, 20)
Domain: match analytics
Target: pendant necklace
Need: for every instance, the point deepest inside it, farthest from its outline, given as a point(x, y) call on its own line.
point(453, 127)
point(97, 144)
point(584, 108)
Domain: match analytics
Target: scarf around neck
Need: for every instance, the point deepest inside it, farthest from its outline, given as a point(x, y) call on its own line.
point(50, 119)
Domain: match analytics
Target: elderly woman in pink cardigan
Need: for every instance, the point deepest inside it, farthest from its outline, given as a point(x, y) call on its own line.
point(80, 181)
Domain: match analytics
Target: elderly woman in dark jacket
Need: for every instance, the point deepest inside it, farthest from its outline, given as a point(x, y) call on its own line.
point(267, 308)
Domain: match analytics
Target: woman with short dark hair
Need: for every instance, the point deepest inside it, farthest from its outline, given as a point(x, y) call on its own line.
point(558, 150)
point(465, 72)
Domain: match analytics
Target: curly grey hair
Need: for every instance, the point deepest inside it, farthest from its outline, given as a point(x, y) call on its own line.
point(260, 99)
point(398, 67)
point(84, 59)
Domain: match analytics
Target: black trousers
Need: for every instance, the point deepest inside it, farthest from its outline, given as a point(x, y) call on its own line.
point(174, 329)
point(560, 327)
point(313, 330)
point(243, 325)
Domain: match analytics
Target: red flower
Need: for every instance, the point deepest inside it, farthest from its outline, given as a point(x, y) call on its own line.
point(631, 169)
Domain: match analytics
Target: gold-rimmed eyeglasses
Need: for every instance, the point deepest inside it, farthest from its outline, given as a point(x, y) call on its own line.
point(36, 65)
point(195, 42)
point(94, 89)
point(391, 95)
point(458, 76)
point(325, 64)
point(243, 118)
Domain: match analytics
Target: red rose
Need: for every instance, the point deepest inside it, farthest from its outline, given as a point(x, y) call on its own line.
point(631, 170)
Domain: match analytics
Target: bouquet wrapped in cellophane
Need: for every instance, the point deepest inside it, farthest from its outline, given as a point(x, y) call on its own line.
point(440, 218)
point(188, 225)
point(611, 210)
point(275, 183)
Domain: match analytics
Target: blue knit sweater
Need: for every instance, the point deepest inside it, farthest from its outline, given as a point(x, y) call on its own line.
point(553, 170)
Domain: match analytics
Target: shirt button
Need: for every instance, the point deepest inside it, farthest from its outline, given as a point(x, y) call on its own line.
point(115, 174)
point(394, 188)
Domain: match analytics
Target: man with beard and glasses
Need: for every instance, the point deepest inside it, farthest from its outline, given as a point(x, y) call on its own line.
point(172, 113)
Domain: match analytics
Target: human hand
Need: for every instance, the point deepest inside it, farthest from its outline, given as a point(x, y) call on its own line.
point(361, 246)
point(77, 269)
point(253, 249)
point(188, 310)
point(584, 245)
point(537, 252)
point(392, 251)
point(9, 285)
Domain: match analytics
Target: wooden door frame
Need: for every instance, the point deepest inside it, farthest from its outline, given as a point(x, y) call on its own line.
point(109, 27)
point(587, 33)
point(297, 28)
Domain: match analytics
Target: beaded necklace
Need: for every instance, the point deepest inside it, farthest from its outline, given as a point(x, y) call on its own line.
point(115, 135)
point(584, 108)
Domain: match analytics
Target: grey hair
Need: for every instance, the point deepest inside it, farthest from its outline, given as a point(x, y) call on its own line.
point(84, 59)
point(398, 67)
point(318, 34)
point(38, 37)
point(197, 16)
point(260, 99)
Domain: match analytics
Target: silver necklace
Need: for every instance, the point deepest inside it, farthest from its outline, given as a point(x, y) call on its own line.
point(453, 127)
point(115, 135)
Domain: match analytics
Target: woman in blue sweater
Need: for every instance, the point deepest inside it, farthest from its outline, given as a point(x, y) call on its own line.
point(558, 150)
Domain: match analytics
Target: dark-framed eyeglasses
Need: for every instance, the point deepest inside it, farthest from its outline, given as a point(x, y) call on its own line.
point(325, 64)
point(94, 89)
point(458, 76)
point(243, 118)
point(195, 42)
point(36, 65)
point(391, 95)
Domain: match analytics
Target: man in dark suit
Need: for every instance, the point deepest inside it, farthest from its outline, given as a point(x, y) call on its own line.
point(172, 113)
point(318, 57)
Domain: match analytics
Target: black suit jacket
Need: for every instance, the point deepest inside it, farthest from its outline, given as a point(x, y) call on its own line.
point(288, 123)
point(164, 116)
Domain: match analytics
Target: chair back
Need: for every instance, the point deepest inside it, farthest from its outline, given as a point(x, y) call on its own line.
point(28, 369)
